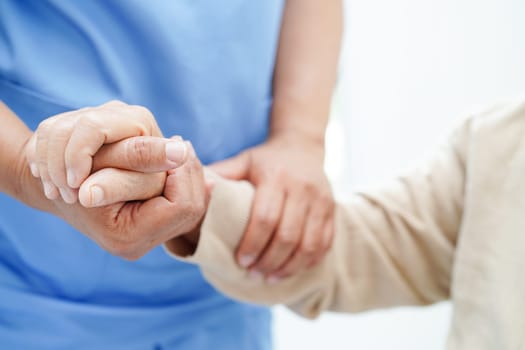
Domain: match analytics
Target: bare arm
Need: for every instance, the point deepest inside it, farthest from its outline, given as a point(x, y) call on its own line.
point(15, 177)
point(306, 67)
point(287, 170)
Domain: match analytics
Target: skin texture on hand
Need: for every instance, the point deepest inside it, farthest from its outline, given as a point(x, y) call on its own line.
point(291, 224)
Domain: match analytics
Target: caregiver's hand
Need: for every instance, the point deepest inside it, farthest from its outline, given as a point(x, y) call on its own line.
point(61, 150)
point(291, 225)
point(130, 229)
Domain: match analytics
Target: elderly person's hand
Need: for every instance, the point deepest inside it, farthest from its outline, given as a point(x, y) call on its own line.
point(291, 225)
point(61, 150)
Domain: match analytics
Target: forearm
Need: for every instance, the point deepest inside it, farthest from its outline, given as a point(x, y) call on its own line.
point(306, 67)
point(15, 178)
point(392, 247)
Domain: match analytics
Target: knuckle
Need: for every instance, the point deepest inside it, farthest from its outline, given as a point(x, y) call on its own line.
point(138, 152)
point(146, 121)
point(143, 111)
point(89, 120)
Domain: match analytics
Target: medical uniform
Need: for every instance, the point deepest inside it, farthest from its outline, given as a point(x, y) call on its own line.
point(204, 69)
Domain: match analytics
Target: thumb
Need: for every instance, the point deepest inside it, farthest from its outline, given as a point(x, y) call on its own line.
point(235, 168)
point(110, 186)
point(142, 153)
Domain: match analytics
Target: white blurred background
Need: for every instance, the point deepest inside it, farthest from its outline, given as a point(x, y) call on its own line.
point(410, 70)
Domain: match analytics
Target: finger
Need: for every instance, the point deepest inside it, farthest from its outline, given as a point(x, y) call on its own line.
point(328, 237)
point(287, 237)
point(110, 186)
point(200, 191)
point(179, 187)
point(50, 190)
point(264, 218)
point(185, 190)
point(236, 168)
point(200, 195)
point(96, 127)
point(309, 248)
point(57, 142)
point(142, 153)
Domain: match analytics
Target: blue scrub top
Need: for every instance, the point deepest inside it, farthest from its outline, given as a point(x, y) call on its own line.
point(204, 68)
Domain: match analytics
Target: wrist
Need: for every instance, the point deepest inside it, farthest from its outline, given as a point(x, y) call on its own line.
point(313, 145)
point(16, 171)
point(15, 176)
point(305, 129)
point(306, 121)
point(23, 186)
point(298, 136)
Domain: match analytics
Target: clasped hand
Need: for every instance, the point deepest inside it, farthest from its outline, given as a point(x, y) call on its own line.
point(136, 189)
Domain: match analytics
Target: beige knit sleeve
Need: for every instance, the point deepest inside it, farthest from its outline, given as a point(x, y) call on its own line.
point(393, 246)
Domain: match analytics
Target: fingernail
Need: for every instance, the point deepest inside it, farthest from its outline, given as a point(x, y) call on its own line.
point(246, 260)
point(273, 279)
point(67, 195)
point(71, 178)
point(50, 190)
point(97, 195)
point(255, 274)
point(34, 170)
point(176, 151)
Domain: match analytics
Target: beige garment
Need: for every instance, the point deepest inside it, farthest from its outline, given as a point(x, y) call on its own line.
point(454, 229)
